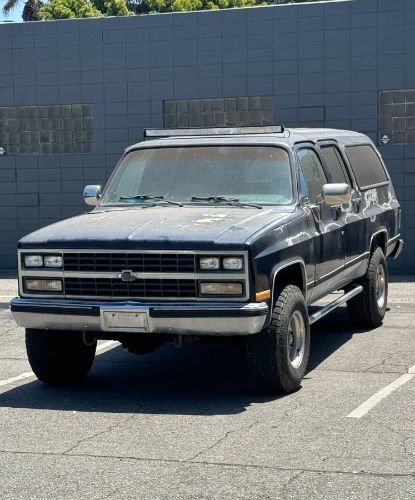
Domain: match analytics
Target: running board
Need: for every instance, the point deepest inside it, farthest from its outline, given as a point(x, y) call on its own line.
point(335, 304)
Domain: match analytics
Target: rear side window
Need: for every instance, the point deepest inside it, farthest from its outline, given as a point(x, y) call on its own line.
point(366, 166)
point(335, 164)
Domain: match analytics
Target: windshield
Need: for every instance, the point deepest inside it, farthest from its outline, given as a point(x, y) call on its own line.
point(256, 174)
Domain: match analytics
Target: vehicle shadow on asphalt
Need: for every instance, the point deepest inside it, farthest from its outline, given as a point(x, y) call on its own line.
point(204, 378)
point(329, 334)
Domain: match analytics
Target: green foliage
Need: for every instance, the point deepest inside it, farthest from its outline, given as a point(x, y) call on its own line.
point(68, 9)
point(188, 5)
point(113, 7)
point(71, 9)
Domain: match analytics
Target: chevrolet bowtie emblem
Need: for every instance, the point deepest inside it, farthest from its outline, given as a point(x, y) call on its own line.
point(127, 275)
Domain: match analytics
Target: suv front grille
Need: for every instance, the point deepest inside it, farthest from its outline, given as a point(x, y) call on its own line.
point(136, 262)
point(109, 287)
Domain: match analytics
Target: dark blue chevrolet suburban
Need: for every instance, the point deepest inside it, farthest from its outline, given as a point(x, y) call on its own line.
point(226, 232)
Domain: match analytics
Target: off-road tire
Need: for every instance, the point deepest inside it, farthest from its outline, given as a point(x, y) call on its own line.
point(363, 309)
point(59, 357)
point(268, 352)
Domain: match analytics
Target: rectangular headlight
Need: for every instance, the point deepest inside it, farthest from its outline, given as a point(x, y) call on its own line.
point(233, 263)
point(221, 288)
point(43, 285)
point(209, 263)
point(53, 260)
point(33, 261)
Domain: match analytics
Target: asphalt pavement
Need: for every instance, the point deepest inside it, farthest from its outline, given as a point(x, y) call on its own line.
point(187, 424)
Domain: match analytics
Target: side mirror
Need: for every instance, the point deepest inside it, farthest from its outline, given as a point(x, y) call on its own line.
point(92, 194)
point(336, 194)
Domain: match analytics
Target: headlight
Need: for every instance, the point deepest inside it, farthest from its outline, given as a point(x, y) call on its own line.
point(209, 263)
point(218, 288)
point(233, 263)
point(41, 285)
point(33, 261)
point(53, 261)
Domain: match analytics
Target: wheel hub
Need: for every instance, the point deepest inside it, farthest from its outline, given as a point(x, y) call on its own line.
point(380, 286)
point(296, 339)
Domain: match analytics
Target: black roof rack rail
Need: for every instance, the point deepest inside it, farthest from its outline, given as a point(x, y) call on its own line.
point(152, 133)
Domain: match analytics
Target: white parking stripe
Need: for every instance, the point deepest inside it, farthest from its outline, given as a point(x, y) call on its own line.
point(369, 404)
point(16, 379)
point(105, 346)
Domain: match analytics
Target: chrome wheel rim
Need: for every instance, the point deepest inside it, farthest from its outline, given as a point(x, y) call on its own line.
point(380, 286)
point(296, 339)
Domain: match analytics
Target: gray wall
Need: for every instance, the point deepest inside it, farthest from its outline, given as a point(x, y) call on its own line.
point(322, 64)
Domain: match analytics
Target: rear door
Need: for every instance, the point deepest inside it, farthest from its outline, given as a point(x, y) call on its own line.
point(327, 226)
point(374, 212)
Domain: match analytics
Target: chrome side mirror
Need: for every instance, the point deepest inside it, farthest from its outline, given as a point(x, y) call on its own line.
point(336, 194)
point(92, 194)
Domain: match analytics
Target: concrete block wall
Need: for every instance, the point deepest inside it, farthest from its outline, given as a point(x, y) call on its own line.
point(323, 64)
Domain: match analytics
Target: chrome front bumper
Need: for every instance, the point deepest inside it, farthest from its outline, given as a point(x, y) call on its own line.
point(223, 319)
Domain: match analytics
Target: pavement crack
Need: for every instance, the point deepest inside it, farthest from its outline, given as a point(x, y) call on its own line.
point(106, 496)
point(100, 433)
point(223, 438)
point(285, 486)
point(213, 464)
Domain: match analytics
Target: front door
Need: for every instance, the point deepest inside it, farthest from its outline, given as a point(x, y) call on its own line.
point(326, 223)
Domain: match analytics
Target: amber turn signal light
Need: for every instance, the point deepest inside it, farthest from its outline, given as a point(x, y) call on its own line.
point(264, 295)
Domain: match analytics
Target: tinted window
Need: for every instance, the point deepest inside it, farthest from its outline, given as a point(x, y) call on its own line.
point(313, 173)
point(335, 164)
point(259, 174)
point(366, 165)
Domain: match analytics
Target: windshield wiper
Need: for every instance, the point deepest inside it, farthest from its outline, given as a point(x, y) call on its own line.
point(145, 197)
point(222, 199)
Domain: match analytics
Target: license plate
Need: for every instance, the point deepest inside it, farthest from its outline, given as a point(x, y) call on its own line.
point(124, 321)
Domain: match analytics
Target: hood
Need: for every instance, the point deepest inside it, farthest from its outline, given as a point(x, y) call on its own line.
point(155, 227)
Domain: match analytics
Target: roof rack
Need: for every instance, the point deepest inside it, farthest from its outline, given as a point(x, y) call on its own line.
point(185, 132)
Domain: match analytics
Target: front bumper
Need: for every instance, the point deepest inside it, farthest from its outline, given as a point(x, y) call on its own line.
point(223, 319)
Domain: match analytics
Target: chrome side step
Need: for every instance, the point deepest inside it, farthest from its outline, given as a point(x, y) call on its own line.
point(335, 304)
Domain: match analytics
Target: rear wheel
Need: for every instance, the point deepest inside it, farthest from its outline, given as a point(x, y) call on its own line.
point(278, 356)
point(59, 357)
point(369, 307)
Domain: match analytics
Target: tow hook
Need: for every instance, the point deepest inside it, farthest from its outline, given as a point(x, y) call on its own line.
point(185, 339)
point(178, 341)
point(88, 339)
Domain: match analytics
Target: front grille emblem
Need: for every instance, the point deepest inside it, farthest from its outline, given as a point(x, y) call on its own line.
point(127, 275)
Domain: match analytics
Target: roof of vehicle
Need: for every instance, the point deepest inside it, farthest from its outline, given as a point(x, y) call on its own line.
point(289, 137)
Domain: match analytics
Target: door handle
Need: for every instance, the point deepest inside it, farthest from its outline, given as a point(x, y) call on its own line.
point(336, 211)
point(356, 204)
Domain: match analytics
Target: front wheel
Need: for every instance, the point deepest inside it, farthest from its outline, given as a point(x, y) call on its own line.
point(59, 357)
point(278, 356)
point(369, 307)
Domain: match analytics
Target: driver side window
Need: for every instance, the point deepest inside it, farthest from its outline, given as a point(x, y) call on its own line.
point(313, 173)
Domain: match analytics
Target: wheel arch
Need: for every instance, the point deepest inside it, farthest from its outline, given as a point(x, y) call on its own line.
point(289, 273)
point(379, 239)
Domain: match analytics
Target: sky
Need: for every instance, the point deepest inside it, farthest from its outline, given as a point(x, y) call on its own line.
point(15, 15)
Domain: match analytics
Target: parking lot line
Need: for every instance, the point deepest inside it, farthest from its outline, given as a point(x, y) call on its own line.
point(370, 403)
point(105, 346)
point(11, 380)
